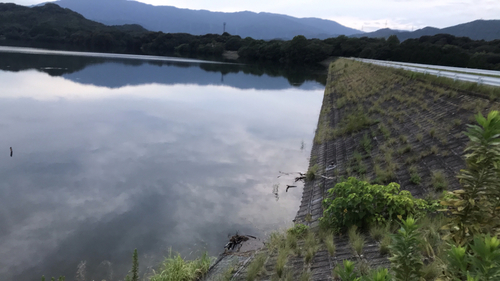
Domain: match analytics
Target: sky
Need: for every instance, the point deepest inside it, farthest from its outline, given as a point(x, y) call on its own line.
point(366, 15)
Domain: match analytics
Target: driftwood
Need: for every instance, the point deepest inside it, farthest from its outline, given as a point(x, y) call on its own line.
point(236, 240)
point(301, 177)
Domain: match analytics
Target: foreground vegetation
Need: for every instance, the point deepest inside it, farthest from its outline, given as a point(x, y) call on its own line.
point(54, 27)
point(453, 237)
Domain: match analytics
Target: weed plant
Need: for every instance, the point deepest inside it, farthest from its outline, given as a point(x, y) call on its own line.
point(175, 268)
point(356, 240)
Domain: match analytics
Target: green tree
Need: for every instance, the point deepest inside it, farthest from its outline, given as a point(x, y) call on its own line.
point(393, 41)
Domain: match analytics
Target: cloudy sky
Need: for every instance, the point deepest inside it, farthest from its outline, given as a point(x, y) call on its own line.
point(368, 15)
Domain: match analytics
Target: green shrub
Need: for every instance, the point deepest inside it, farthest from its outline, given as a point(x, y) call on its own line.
point(298, 230)
point(359, 203)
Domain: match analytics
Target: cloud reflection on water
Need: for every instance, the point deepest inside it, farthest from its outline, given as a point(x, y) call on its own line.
point(98, 172)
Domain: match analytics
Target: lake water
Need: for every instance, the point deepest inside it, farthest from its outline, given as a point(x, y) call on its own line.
point(113, 154)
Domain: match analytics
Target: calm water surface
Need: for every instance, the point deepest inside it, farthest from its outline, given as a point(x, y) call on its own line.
point(113, 154)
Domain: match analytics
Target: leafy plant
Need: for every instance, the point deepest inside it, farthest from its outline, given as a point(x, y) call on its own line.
point(346, 272)
point(298, 230)
point(474, 208)
point(359, 203)
point(482, 263)
point(406, 260)
point(381, 274)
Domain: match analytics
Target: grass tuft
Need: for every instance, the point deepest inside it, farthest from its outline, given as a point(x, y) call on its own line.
point(384, 245)
point(356, 240)
point(175, 268)
point(330, 244)
point(438, 181)
point(281, 261)
point(255, 267)
point(377, 232)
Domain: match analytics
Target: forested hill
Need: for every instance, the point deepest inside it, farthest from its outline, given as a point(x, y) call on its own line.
point(170, 19)
point(54, 19)
point(477, 30)
point(64, 29)
point(52, 24)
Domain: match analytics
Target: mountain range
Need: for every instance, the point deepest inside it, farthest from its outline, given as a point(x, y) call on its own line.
point(476, 30)
point(169, 19)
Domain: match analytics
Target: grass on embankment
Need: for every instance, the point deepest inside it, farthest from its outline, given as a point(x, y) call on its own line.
point(398, 122)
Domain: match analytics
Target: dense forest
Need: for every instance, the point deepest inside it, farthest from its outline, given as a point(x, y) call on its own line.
point(54, 27)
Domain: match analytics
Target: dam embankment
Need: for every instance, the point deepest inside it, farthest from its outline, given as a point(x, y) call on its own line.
point(381, 125)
